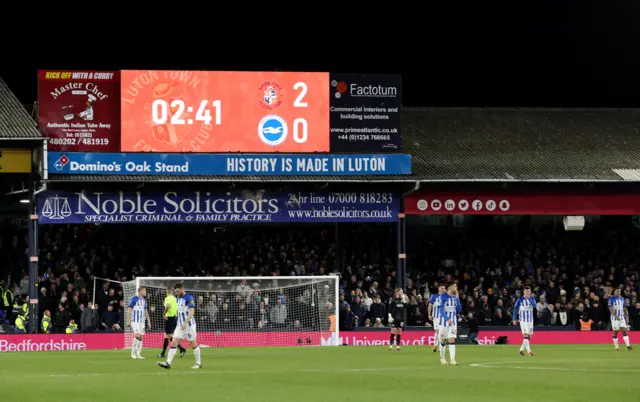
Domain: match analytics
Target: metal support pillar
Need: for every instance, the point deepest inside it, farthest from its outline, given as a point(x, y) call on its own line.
point(403, 224)
point(33, 324)
point(339, 261)
point(401, 254)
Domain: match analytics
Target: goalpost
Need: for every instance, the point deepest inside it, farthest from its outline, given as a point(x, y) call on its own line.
point(99, 282)
point(247, 311)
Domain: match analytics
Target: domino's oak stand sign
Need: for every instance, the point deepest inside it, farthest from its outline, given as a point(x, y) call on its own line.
point(229, 164)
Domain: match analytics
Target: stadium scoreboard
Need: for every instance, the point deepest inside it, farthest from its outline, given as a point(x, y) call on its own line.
point(101, 118)
point(219, 111)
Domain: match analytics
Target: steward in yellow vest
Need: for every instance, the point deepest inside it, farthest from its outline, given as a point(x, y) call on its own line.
point(72, 328)
point(21, 323)
point(7, 298)
point(46, 324)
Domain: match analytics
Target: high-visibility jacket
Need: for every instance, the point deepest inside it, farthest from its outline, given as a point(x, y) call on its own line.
point(586, 325)
point(24, 308)
point(46, 325)
point(21, 323)
point(7, 298)
point(72, 328)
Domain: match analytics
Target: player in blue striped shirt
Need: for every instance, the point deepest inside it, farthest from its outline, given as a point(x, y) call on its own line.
point(138, 315)
point(523, 313)
point(186, 327)
point(619, 318)
point(449, 308)
point(434, 315)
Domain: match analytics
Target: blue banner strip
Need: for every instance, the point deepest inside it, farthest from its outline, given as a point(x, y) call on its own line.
point(203, 206)
point(228, 164)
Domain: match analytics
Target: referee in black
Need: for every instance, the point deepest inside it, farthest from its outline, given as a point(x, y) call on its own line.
point(170, 322)
point(397, 317)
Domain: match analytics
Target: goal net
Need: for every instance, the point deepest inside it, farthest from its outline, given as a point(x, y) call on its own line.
point(247, 311)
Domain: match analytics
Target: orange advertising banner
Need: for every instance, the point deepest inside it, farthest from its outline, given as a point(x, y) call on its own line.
point(223, 111)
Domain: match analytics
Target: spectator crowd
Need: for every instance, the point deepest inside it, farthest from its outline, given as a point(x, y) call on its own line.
point(572, 274)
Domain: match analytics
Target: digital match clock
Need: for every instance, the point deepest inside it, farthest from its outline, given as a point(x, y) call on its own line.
point(220, 111)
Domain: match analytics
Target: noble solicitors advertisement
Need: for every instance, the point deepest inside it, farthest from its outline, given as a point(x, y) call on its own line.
point(203, 206)
point(41, 343)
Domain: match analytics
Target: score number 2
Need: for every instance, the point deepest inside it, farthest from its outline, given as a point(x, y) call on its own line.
point(300, 125)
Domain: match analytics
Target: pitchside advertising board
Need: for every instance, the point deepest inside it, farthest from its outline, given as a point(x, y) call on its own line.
point(203, 206)
point(183, 112)
point(418, 338)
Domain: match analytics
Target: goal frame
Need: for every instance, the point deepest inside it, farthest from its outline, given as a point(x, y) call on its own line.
point(336, 306)
point(95, 291)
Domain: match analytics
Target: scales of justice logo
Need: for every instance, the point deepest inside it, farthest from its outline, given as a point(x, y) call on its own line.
point(56, 208)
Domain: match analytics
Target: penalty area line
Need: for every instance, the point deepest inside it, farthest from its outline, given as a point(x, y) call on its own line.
point(506, 365)
point(501, 365)
point(180, 372)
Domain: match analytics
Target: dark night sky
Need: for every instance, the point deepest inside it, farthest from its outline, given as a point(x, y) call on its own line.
point(559, 55)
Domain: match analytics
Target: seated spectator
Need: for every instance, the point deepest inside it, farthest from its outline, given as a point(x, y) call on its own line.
point(109, 321)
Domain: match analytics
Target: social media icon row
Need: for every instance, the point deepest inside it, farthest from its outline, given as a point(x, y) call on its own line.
point(463, 205)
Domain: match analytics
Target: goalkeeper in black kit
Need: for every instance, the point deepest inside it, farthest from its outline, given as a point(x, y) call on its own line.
point(397, 317)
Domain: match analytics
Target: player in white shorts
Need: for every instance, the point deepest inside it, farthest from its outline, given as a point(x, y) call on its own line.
point(619, 318)
point(523, 313)
point(434, 316)
point(138, 316)
point(449, 308)
point(186, 328)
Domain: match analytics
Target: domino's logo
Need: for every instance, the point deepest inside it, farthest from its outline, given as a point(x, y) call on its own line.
point(61, 162)
point(272, 130)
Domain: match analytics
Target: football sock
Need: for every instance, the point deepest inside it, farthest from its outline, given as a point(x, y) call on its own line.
point(196, 353)
point(522, 346)
point(527, 345)
point(181, 348)
point(139, 348)
point(172, 353)
point(452, 351)
point(392, 339)
point(626, 340)
point(443, 348)
point(398, 337)
point(615, 341)
point(134, 346)
point(165, 345)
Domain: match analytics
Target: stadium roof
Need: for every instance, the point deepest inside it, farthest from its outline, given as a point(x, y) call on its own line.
point(500, 145)
point(15, 122)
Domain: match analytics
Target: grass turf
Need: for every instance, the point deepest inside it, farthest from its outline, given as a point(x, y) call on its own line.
point(486, 373)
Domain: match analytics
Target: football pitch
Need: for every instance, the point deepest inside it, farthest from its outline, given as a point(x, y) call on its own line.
point(327, 374)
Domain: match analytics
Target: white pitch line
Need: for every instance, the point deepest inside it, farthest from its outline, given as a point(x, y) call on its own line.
point(502, 365)
point(174, 372)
